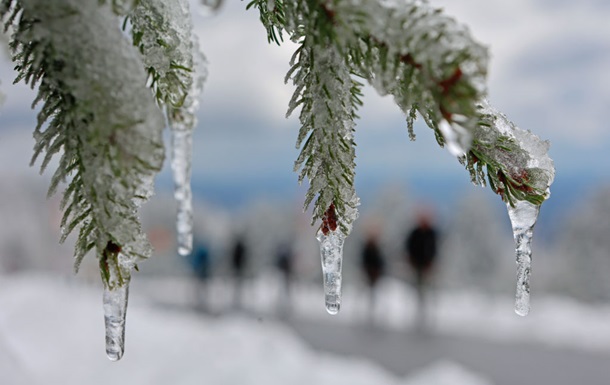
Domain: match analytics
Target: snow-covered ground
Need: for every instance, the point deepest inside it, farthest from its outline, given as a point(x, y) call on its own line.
point(553, 321)
point(51, 332)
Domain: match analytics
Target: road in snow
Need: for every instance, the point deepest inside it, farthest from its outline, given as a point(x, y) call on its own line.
point(503, 363)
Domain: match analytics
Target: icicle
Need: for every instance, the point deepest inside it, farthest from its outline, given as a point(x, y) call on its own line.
point(523, 218)
point(182, 121)
point(456, 138)
point(331, 252)
point(115, 310)
point(182, 148)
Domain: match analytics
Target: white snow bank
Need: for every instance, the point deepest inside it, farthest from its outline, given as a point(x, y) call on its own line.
point(445, 373)
point(553, 321)
point(51, 332)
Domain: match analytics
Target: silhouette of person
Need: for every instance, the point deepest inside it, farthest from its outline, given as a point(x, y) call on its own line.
point(373, 267)
point(238, 267)
point(285, 264)
point(421, 250)
point(201, 266)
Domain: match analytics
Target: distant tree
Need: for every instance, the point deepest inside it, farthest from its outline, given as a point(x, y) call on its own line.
point(107, 94)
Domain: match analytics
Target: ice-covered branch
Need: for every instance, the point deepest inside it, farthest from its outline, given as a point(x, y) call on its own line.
point(432, 66)
point(428, 61)
point(324, 90)
point(99, 116)
point(514, 161)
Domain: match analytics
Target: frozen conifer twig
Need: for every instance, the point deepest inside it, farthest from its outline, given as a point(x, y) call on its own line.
point(426, 60)
point(432, 66)
point(515, 162)
point(101, 118)
point(519, 169)
point(327, 154)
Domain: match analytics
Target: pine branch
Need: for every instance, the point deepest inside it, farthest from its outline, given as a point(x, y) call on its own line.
point(432, 66)
point(425, 59)
point(514, 161)
point(107, 126)
point(328, 98)
point(162, 31)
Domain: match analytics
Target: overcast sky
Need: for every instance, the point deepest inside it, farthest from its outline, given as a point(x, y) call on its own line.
point(549, 72)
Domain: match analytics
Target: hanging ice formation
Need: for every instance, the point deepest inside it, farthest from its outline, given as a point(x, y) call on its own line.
point(181, 153)
point(331, 252)
point(182, 122)
point(523, 216)
point(115, 312)
point(116, 275)
point(176, 74)
point(522, 177)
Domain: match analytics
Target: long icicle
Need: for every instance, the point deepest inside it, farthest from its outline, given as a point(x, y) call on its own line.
point(331, 252)
point(115, 311)
point(523, 216)
point(182, 122)
point(181, 155)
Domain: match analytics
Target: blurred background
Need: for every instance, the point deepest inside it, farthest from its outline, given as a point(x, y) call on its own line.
point(247, 307)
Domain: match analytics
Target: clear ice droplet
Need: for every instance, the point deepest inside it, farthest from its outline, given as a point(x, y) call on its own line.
point(115, 310)
point(182, 148)
point(523, 218)
point(331, 253)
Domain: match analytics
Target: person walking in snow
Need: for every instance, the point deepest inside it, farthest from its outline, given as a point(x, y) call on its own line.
point(421, 252)
point(373, 265)
point(238, 267)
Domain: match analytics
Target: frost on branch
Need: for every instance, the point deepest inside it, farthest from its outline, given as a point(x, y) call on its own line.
point(514, 161)
point(176, 71)
point(98, 114)
point(426, 60)
point(328, 97)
